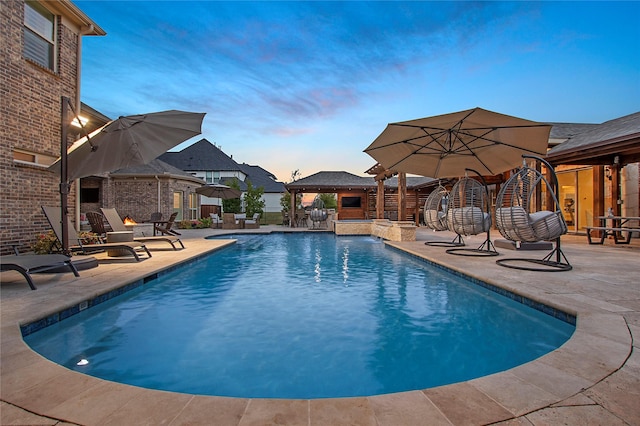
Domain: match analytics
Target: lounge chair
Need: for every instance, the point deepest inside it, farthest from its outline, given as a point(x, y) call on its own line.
point(26, 264)
point(518, 221)
point(54, 217)
point(116, 223)
point(165, 227)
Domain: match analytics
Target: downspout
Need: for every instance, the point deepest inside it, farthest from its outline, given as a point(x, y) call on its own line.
point(158, 179)
point(83, 31)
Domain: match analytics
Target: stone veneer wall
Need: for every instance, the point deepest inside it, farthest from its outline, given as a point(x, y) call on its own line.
point(382, 228)
point(30, 108)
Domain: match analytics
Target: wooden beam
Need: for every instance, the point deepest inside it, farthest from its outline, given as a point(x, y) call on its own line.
point(402, 196)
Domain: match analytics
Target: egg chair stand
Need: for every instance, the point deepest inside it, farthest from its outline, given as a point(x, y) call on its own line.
point(435, 216)
point(468, 213)
point(517, 220)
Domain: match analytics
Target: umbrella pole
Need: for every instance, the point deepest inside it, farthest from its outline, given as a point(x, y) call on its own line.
point(64, 184)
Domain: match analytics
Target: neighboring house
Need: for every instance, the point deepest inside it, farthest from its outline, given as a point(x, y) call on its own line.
point(41, 64)
point(206, 161)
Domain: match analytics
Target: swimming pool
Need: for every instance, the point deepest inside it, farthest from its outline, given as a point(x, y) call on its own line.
point(301, 316)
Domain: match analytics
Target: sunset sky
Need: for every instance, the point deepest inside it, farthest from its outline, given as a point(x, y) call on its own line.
point(309, 85)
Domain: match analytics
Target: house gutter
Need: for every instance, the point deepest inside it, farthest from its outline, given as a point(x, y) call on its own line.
point(158, 180)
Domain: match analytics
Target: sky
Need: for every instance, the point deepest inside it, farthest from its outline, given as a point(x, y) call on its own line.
point(307, 86)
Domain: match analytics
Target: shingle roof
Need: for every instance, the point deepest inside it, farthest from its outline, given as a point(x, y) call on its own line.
point(567, 130)
point(601, 133)
point(201, 156)
point(261, 177)
point(335, 180)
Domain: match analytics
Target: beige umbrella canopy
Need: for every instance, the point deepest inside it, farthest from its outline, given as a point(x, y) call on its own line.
point(223, 192)
point(129, 141)
point(446, 145)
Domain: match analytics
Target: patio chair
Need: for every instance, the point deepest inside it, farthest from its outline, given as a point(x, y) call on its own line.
point(215, 219)
point(96, 221)
point(117, 225)
point(254, 222)
point(54, 217)
point(517, 220)
point(435, 216)
point(155, 217)
point(469, 213)
point(165, 227)
point(26, 264)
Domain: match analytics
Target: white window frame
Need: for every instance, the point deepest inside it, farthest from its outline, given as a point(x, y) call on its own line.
point(48, 40)
point(193, 206)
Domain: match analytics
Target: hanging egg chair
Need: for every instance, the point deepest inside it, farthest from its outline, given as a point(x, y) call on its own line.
point(435, 216)
point(518, 220)
point(468, 213)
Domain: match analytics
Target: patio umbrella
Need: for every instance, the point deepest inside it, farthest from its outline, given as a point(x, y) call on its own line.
point(129, 141)
point(446, 145)
point(223, 192)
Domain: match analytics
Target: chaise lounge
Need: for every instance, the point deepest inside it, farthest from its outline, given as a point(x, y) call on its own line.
point(54, 217)
point(26, 264)
point(116, 223)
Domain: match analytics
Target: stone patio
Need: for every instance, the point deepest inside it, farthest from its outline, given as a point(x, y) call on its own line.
point(594, 378)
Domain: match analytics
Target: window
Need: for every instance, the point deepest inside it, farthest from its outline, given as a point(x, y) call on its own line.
point(212, 177)
point(89, 195)
point(32, 158)
point(39, 35)
point(193, 206)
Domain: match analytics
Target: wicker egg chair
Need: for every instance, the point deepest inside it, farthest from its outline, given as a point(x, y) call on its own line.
point(435, 216)
point(518, 221)
point(469, 213)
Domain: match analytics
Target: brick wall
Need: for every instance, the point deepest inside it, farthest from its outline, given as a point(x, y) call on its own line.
point(30, 108)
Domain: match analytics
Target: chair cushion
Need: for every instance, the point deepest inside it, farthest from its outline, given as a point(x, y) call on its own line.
point(548, 225)
point(513, 224)
point(468, 220)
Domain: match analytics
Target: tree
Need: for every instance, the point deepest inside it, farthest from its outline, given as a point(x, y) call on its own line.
point(254, 203)
point(329, 200)
point(232, 205)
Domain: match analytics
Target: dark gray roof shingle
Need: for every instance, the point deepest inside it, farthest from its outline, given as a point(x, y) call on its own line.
point(607, 131)
point(201, 156)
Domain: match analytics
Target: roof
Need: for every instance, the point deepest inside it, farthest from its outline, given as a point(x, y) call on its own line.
point(201, 156)
point(155, 168)
point(77, 16)
point(333, 180)
point(566, 130)
point(600, 144)
point(261, 177)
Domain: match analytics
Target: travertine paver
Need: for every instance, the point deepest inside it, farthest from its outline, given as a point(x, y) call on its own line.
point(593, 379)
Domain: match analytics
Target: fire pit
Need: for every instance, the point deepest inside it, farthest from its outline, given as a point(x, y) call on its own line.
point(139, 229)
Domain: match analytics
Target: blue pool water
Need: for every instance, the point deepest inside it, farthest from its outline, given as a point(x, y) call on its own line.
point(301, 316)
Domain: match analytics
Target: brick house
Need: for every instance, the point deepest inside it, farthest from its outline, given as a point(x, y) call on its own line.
point(40, 63)
point(207, 161)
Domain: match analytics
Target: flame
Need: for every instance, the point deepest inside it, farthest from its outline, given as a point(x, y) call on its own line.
point(129, 221)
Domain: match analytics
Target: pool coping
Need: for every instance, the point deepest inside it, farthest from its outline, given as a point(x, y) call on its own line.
point(600, 346)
